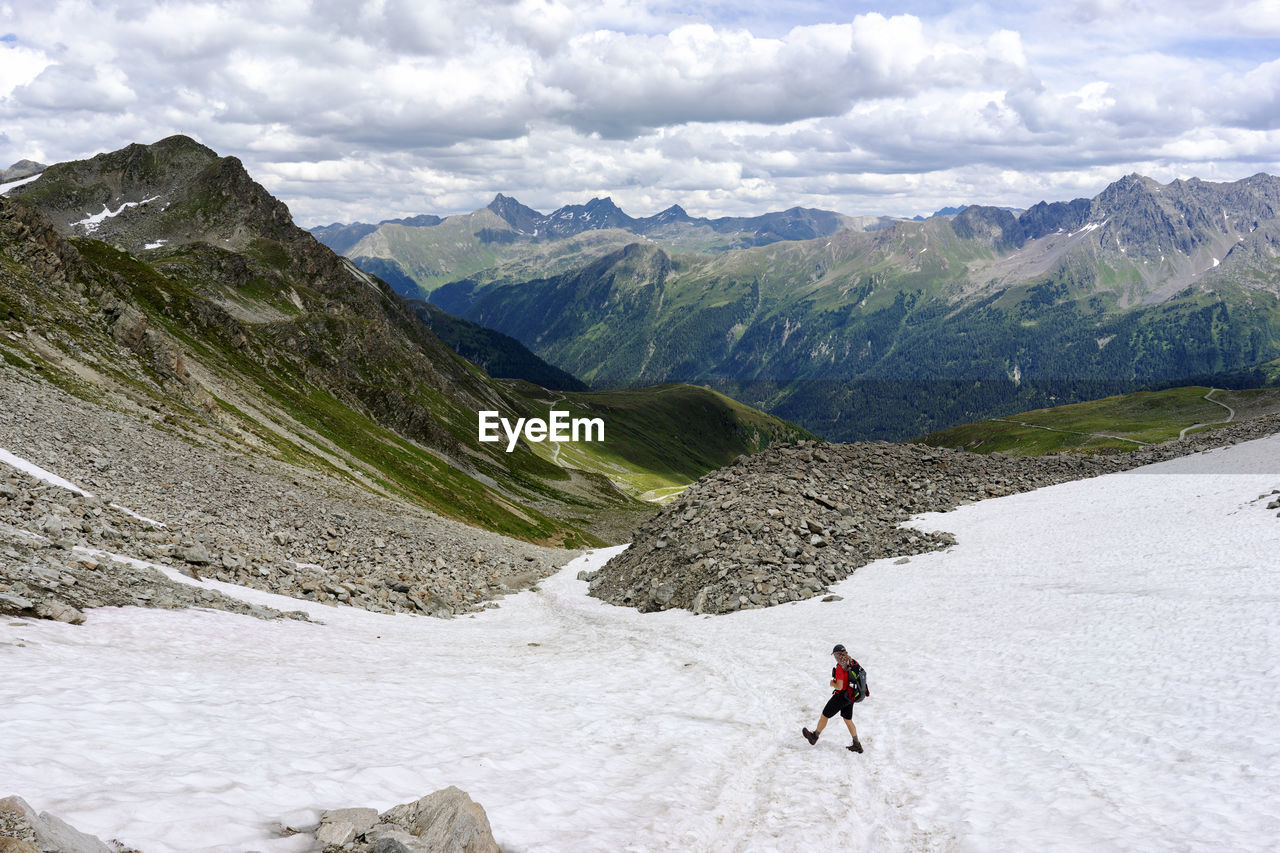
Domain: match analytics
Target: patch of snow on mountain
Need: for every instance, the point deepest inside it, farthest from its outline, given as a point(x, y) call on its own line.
point(5, 187)
point(39, 473)
point(1090, 227)
point(92, 222)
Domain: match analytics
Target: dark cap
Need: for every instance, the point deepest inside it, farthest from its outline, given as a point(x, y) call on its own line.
point(838, 648)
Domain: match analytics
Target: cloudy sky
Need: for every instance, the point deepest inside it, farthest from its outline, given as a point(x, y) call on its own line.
point(386, 108)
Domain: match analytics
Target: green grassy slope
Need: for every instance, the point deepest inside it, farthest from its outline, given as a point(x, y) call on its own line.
point(660, 439)
point(1111, 424)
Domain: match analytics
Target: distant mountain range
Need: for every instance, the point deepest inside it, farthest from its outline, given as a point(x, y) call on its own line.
point(797, 223)
point(913, 326)
point(418, 254)
point(340, 237)
point(163, 277)
point(851, 327)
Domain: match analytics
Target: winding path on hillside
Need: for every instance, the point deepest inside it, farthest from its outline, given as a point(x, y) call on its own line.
point(1231, 414)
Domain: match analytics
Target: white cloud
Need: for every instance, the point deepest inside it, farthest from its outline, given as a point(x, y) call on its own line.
point(19, 65)
point(618, 84)
point(64, 87)
point(394, 107)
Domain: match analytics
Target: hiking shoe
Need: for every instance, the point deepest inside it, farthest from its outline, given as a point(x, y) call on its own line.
point(812, 737)
point(855, 746)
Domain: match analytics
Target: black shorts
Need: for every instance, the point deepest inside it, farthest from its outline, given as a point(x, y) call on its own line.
point(838, 704)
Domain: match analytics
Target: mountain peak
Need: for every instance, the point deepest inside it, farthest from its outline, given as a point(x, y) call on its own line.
point(521, 218)
point(599, 213)
point(21, 169)
point(674, 213)
point(1134, 181)
point(172, 191)
point(993, 226)
point(181, 143)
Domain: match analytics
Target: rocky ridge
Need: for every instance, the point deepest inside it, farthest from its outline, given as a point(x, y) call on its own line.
point(784, 524)
point(216, 512)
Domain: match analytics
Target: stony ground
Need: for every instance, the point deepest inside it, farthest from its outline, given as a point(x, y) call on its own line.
point(784, 524)
point(220, 514)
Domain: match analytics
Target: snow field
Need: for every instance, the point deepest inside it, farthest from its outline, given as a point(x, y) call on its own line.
point(1092, 667)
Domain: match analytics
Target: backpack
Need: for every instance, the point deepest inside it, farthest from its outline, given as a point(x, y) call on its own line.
point(857, 688)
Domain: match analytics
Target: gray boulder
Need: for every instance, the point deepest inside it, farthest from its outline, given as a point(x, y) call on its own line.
point(59, 611)
point(447, 821)
point(195, 554)
point(14, 603)
point(54, 833)
point(340, 826)
point(45, 832)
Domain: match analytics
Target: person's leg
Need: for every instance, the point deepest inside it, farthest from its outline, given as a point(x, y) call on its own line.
point(847, 713)
point(832, 707)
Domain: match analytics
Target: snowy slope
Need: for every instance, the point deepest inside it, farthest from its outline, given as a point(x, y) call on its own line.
point(1093, 667)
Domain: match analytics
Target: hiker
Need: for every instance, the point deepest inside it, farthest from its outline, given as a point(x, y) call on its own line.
point(849, 681)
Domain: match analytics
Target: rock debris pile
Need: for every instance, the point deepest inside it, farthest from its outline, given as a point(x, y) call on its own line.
point(784, 524)
point(55, 562)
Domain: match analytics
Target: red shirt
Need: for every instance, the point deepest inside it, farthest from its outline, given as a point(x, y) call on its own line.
point(841, 678)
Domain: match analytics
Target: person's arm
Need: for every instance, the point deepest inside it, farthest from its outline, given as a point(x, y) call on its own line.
point(841, 680)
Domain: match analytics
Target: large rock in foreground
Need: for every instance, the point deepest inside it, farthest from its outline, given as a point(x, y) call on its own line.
point(22, 831)
point(447, 821)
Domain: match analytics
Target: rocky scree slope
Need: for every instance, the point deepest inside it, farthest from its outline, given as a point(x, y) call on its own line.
point(784, 524)
point(217, 512)
point(44, 572)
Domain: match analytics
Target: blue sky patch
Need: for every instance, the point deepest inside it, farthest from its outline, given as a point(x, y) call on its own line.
point(1244, 50)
